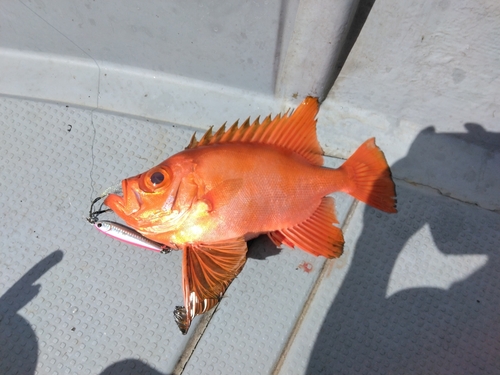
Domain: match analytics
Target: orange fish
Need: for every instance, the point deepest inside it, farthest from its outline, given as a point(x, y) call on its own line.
point(231, 186)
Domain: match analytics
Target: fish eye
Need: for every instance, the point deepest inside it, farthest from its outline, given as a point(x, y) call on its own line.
point(154, 179)
point(157, 178)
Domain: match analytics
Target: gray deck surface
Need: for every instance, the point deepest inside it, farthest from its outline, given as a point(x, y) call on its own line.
point(415, 292)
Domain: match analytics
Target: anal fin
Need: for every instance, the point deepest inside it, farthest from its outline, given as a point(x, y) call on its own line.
point(207, 271)
point(317, 235)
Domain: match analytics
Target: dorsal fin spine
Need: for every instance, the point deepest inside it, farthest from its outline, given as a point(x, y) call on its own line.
point(260, 132)
point(247, 132)
point(238, 135)
point(300, 135)
point(294, 131)
point(193, 142)
point(278, 138)
point(285, 117)
point(206, 137)
point(218, 135)
point(255, 125)
point(228, 136)
point(270, 135)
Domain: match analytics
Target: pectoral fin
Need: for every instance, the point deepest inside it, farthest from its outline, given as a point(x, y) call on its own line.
point(207, 271)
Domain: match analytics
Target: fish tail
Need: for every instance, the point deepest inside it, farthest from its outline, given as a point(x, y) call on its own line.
point(369, 178)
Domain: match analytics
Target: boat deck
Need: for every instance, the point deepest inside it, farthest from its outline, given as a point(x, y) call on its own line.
point(412, 293)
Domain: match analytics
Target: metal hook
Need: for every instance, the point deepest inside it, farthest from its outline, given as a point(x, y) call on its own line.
point(94, 215)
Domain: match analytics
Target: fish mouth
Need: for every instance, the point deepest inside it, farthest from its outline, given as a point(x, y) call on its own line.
point(126, 204)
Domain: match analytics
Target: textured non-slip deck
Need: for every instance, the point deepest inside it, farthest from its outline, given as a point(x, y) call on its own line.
point(414, 292)
point(419, 294)
point(76, 301)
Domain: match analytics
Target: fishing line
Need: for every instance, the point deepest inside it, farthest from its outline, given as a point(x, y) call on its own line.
point(94, 130)
point(92, 155)
point(92, 182)
point(116, 188)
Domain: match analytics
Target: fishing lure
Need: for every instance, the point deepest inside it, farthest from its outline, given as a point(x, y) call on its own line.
point(122, 232)
point(128, 235)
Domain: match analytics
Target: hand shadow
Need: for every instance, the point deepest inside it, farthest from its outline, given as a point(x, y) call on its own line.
point(130, 367)
point(418, 330)
point(19, 344)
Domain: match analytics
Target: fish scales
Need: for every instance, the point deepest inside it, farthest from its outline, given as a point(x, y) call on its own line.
point(259, 178)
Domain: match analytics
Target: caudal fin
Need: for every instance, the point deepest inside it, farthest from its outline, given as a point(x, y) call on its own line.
point(369, 177)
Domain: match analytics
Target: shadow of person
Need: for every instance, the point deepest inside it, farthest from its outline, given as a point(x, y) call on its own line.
point(437, 322)
point(19, 344)
point(130, 367)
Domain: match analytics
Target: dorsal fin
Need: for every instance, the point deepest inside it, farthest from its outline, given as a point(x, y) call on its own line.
point(295, 132)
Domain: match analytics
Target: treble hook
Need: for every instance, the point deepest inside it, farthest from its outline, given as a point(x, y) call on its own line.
point(94, 215)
